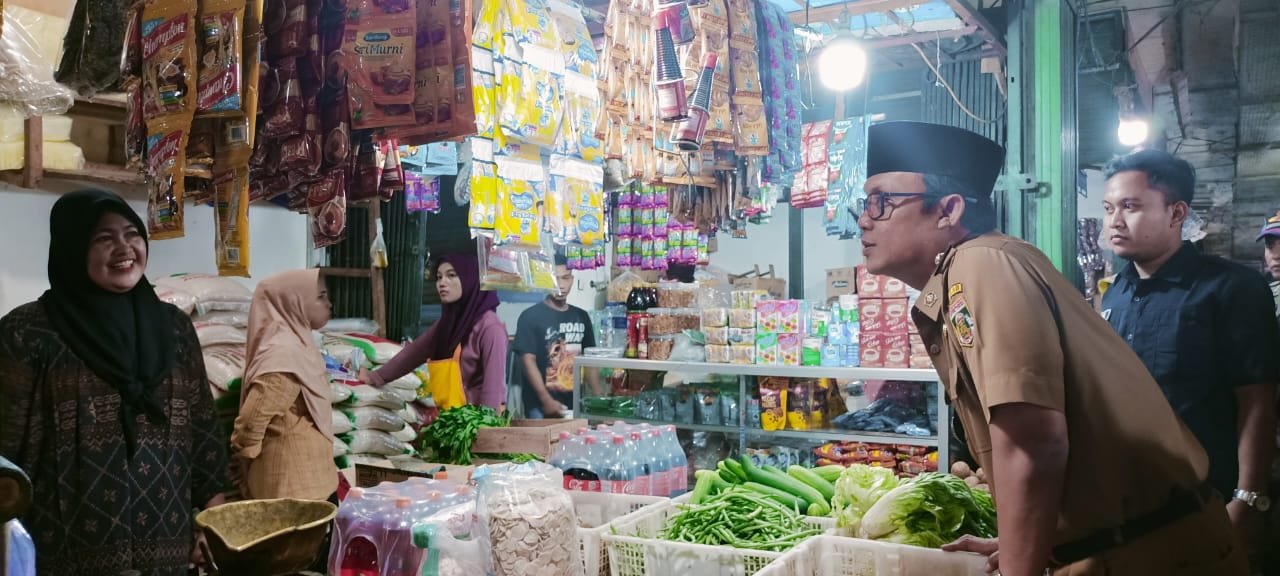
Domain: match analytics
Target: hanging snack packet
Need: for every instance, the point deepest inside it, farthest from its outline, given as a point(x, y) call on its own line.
point(166, 156)
point(481, 214)
point(168, 57)
point(392, 171)
point(286, 116)
point(131, 60)
point(370, 164)
point(380, 69)
point(221, 56)
point(326, 201)
point(231, 239)
point(520, 188)
point(286, 24)
point(581, 186)
point(135, 127)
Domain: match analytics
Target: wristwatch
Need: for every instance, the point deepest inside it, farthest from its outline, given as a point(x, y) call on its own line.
point(1254, 500)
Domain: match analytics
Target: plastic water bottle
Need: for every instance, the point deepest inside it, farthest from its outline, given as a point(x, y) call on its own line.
point(582, 467)
point(620, 473)
point(559, 455)
point(660, 464)
point(679, 463)
point(638, 451)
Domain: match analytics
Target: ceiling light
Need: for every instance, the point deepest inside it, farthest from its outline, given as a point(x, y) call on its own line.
point(1133, 131)
point(842, 64)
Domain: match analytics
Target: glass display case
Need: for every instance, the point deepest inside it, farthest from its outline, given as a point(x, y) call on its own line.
point(777, 415)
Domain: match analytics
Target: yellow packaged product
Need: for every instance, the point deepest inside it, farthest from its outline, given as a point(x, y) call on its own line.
point(518, 211)
point(231, 234)
point(219, 81)
point(166, 156)
point(168, 58)
point(580, 188)
point(530, 105)
point(773, 403)
point(484, 195)
point(799, 397)
point(483, 91)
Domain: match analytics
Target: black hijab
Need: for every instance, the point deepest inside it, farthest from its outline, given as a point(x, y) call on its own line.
point(126, 339)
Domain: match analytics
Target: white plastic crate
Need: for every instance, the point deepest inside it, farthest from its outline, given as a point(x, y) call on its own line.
point(829, 555)
point(595, 510)
point(635, 550)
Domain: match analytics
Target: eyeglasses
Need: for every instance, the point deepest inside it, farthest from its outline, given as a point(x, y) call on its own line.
point(877, 207)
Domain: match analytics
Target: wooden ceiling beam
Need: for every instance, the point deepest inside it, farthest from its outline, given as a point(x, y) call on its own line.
point(853, 8)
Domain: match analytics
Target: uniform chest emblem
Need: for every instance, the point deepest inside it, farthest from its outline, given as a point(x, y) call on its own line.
point(960, 318)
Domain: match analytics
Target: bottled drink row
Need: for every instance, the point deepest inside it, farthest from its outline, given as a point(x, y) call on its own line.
point(622, 458)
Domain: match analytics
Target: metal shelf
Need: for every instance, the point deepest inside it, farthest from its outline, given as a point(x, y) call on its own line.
point(906, 374)
point(847, 436)
point(743, 371)
point(683, 426)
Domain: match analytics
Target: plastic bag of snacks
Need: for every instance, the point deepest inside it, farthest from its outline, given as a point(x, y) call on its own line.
point(520, 504)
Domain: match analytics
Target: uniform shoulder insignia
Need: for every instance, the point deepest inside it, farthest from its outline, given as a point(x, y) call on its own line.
point(960, 318)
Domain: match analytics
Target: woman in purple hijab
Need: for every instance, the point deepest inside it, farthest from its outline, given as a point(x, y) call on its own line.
point(467, 346)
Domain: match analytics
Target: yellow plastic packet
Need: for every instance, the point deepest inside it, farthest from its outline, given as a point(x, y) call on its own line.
point(231, 235)
point(166, 156)
point(518, 211)
point(484, 195)
point(580, 187)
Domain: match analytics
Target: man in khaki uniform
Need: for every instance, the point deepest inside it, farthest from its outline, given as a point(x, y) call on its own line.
point(1091, 470)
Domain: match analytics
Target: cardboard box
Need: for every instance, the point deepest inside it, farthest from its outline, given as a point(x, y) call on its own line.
point(870, 350)
point(760, 280)
point(921, 362)
point(841, 281)
point(883, 315)
point(524, 437)
point(895, 350)
point(877, 286)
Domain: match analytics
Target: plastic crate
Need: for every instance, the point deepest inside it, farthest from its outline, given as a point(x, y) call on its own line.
point(829, 555)
point(595, 510)
point(635, 550)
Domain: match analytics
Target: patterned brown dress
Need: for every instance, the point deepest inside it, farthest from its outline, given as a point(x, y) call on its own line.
point(95, 512)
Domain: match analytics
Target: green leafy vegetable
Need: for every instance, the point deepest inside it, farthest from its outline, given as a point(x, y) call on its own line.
point(857, 488)
point(929, 510)
point(448, 439)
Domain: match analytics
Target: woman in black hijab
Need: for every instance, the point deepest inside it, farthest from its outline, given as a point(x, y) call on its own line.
point(104, 403)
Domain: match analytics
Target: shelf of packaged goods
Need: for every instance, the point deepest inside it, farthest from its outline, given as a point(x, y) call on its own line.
point(696, 427)
point(845, 436)
point(817, 436)
point(907, 374)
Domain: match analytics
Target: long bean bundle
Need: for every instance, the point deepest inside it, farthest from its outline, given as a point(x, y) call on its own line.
point(741, 518)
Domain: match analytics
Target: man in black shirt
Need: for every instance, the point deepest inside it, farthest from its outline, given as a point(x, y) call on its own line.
point(1205, 327)
point(549, 335)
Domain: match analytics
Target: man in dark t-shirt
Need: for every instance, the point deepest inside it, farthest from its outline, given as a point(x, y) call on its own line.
point(549, 335)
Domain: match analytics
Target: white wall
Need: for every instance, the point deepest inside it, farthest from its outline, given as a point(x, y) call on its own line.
point(277, 237)
point(770, 244)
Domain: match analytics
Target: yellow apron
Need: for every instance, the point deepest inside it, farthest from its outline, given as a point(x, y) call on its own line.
point(445, 381)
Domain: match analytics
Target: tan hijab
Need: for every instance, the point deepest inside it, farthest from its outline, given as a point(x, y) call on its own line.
point(280, 340)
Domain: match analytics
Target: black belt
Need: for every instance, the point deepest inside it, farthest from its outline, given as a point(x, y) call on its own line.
point(1183, 503)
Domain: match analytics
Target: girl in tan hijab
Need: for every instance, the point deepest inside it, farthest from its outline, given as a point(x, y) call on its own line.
point(283, 438)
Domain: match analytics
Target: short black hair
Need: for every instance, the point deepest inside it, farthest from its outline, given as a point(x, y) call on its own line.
point(561, 259)
point(979, 213)
point(1171, 175)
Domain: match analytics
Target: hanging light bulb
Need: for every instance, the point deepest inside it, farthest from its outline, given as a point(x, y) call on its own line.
point(842, 64)
point(1133, 131)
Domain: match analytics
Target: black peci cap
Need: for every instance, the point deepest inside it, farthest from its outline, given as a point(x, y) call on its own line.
point(935, 149)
